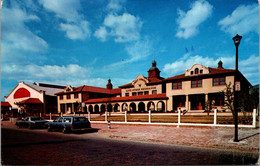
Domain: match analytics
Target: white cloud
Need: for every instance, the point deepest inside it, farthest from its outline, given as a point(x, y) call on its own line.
point(188, 22)
point(249, 67)
point(244, 19)
point(101, 33)
point(46, 72)
point(137, 51)
point(75, 27)
point(15, 33)
point(64, 9)
point(123, 28)
point(115, 5)
point(75, 32)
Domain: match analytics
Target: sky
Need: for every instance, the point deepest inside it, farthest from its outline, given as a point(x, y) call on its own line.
point(86, 42)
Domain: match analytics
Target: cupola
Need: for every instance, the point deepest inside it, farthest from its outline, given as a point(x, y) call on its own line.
point(220, 65)
point(154, 72)
point(109, 84)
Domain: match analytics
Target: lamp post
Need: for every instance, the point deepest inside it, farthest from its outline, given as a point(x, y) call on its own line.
point(236, 40)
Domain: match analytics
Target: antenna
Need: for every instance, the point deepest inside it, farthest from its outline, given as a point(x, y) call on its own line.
point(153, 55)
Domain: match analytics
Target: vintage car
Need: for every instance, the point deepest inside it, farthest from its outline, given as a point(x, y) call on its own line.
point(31, 122)
point(69, 124)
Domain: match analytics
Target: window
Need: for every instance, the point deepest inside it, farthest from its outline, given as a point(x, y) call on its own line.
point(196, 83)
point(177, 85)
point(126, 94)
point(76, 95)
point(191, 73)
point(134, 94)
point(61, 97)
point(201, 71)
point(68, 96)
point(140, 93)
point(219, 81)
point(154, 92)
point(196, 71)
point(146, 92)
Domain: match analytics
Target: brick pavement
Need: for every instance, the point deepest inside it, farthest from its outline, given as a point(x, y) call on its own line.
point(212, 137)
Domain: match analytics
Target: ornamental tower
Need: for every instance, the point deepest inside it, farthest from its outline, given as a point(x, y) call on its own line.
point(109, 84)
point(154, 72)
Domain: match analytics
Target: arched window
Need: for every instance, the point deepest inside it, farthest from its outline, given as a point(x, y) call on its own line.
point(196, 71)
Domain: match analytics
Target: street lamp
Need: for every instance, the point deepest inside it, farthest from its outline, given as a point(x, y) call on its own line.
point(236, 40)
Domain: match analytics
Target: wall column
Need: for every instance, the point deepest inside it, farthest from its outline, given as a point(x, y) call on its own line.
point(187, 103)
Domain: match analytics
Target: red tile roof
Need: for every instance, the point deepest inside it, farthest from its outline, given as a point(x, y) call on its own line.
point(86, 88)
point(151, 81)
point(5, 104)
point(213, 71)
point(127, 98)
point(30, 101)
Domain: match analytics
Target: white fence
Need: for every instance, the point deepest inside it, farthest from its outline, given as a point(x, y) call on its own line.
point(179, 123)
point(253, 125)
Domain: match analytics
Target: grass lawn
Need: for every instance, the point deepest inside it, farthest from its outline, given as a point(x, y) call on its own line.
point(199, 119)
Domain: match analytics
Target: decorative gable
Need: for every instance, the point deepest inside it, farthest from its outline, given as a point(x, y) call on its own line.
point(68, 88)
point(197, 69)
point(140, 81)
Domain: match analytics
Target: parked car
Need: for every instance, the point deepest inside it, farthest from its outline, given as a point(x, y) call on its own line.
point(69, 124)
point(31, 122)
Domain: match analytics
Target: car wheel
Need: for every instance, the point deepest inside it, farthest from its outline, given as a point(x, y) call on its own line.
point(49, 129)
point(30, 126)
point(64, 130)
point(19, 126)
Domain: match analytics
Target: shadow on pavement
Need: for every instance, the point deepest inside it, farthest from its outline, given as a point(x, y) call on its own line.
point(91, 130)
point(248, 136)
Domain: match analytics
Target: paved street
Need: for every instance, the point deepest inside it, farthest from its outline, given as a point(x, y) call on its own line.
point(25, 146)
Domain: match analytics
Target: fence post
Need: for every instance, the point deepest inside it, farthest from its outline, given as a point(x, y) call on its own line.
point(179, 118)
point(149, 116)
point(89, 116)
point(106, 116)
point(215, 116)
point(125, 116)
point(50, 115)
point(254, 118)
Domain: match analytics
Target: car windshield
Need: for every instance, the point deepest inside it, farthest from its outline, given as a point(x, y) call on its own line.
point(36, 118)
point(80, 119)
point(67, 120)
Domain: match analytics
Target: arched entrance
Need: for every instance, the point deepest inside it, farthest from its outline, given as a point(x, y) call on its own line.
point(141, 107)
point(96, 108)
point(132, 107)
point(103, 108)
point(151, 106)
point(116, 107)
point(109, 107)
point(90, 108)
point(124, 107)
point(160, 106)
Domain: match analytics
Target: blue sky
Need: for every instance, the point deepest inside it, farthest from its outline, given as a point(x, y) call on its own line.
point(86, 42)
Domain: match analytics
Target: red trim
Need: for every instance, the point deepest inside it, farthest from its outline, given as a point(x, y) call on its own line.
point(127, 98)
point(5, 104)
point(30, 101)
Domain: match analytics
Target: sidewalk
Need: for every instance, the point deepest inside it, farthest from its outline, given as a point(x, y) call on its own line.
point(211, 137)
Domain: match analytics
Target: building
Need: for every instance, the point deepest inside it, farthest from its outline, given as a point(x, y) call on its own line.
point(71, 99)
point(33, 99)
point(5, 108)
point(199, 84)
point(188, 91)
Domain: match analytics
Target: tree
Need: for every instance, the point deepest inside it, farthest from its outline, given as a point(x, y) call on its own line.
point(229, 98)
point(208, 106)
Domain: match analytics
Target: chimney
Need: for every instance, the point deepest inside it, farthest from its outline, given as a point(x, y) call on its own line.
point(220, 65)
